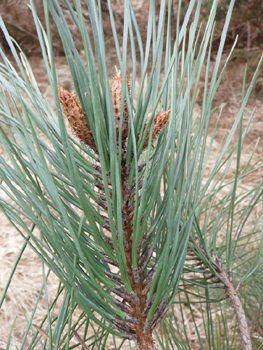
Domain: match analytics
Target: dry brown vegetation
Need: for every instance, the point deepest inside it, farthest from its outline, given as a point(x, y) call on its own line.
point(27, 280)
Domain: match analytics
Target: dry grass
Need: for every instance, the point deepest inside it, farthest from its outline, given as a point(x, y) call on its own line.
point(28, 278)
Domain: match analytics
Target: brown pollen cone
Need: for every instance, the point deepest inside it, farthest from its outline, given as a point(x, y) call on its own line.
point(159, 122)
point(116, 90)
point(73, 111)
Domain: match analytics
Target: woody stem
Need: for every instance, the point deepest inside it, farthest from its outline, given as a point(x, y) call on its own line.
point(143, 337)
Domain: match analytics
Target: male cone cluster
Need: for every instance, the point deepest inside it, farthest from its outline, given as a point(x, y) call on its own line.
point(73, 111)
point(116, 91)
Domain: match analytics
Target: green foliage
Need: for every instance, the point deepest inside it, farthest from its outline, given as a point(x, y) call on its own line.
point(51, 179)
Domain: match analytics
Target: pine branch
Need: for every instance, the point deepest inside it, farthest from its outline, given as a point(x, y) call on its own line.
point(232, 294)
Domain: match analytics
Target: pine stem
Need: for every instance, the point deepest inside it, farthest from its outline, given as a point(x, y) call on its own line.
point(146, 342)
point(135, 304)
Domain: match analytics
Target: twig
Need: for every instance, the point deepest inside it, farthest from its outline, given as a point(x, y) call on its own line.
point(80, 339)
point(237, 305)
point(232, 294)
point(45, 335)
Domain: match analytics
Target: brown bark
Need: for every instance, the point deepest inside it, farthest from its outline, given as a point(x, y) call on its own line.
point(146, 343)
